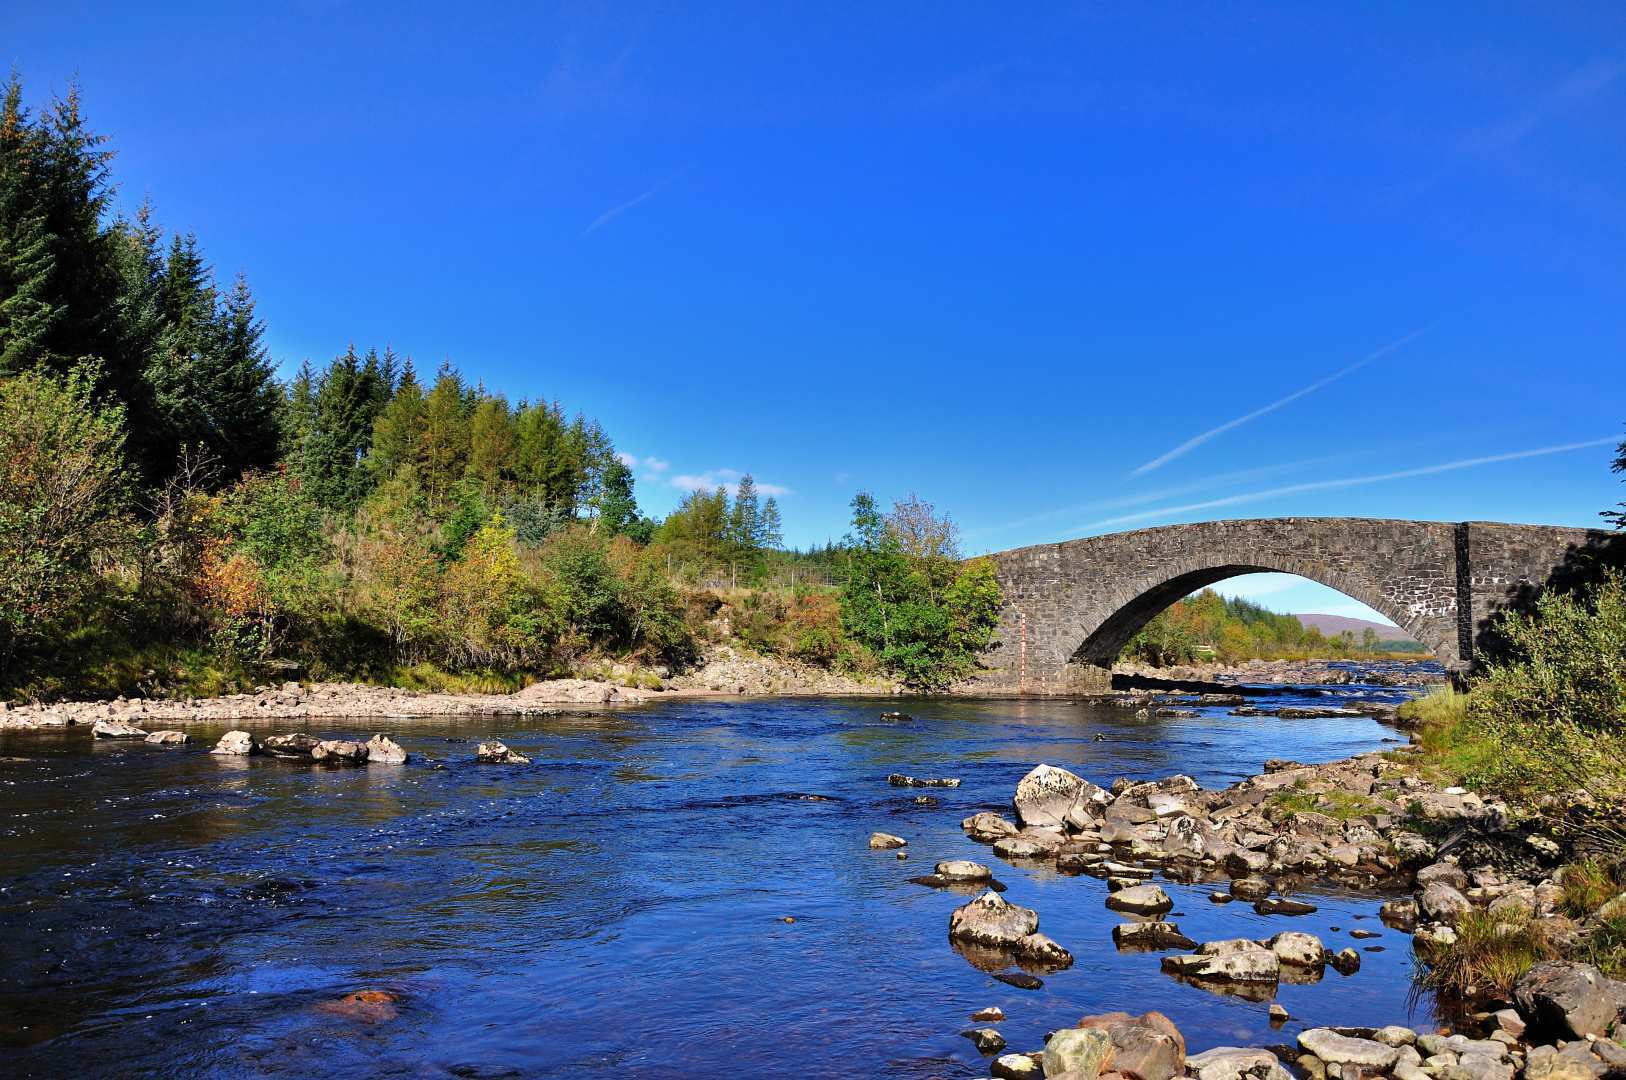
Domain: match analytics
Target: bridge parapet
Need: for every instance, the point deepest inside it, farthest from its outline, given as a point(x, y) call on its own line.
point(1071, 607)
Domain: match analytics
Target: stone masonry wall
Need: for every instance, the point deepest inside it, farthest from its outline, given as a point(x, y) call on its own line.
point(1070, 607)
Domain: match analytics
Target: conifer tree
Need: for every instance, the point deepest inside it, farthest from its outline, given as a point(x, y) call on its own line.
point(398, 431)
point(769, 534)
point(491, 446)
point(616, 508)
point(444, 451)
point(743, 521)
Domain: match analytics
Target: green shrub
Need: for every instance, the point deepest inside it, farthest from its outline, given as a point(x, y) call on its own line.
point(64, 501)
point(1556, 706)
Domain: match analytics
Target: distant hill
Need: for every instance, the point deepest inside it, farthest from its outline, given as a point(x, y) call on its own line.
point(1333, 625)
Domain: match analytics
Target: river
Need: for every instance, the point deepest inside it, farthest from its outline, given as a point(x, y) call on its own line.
point(618, 907)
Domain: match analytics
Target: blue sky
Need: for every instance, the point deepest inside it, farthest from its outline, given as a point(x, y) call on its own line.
point(1060, 270)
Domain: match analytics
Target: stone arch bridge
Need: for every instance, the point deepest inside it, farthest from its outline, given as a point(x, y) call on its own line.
point(1070, 607)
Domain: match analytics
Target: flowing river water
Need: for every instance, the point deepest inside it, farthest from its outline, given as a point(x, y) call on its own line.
point(617, 907)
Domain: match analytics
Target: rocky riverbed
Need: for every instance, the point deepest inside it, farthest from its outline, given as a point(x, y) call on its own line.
point(1369, 820)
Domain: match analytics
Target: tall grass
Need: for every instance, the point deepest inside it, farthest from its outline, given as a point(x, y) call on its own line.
point(1493, 948)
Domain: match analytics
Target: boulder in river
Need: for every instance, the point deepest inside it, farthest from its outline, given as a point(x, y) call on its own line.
point(1016, 1067)
point(1345, 961)
point(901, 780)
point(987, 1040)
point(1235, 1063)
point(1140, 900)
point(383, 750)
point(1250, 888)
point(1150, 936)
point(1082, 1052)
point(1147, 1047)
point(1040, 951)
point(1236, 960)
point(168, 738)
point(963, 870)
point(493, 752)
point(339, 752)
point(295, 744)
point(987, 827)
point(881, 841)
point(117, 729)
point(990, 920)
point(1045, 794)
point(1335, 1049)
point(236, 744)
point(1297, 948)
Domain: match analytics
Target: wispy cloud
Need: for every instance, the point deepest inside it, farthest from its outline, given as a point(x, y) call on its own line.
point(712, 479)
point(1581, 85)
point(1207, 483)
point(616, 211)
point(1230, 425)
point(1347, 482)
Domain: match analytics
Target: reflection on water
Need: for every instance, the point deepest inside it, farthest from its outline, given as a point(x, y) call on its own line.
point(618, 906)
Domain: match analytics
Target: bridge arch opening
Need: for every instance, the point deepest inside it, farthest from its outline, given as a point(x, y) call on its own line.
point(1106, 644)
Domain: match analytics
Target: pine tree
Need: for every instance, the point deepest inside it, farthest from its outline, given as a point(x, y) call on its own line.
point(398, 431)
point(617, 509)
point(491, 446)
point(349, 396)
point(769, 536)
point(444, 451)
point(244, 391)
point(28, 311)
point(743, 521)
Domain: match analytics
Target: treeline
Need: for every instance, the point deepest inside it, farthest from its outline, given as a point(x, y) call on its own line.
point(1209, 626)
point(174, 518)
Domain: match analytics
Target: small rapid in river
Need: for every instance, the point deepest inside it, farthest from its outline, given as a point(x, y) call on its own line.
point(619, 906)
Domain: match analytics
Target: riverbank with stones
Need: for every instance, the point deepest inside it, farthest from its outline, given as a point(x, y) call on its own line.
point(1369, 821)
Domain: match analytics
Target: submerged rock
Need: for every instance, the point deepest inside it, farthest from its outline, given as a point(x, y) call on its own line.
point(1281, 905)
point(168, 738)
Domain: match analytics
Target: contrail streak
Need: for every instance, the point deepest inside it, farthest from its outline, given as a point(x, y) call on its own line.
point(1118, 502)
point(1197, 440)
point(616, 211)
point(1352, 481)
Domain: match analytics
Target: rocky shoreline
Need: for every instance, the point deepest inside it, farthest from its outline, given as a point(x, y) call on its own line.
point(725, 671)
point(1369, 821)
